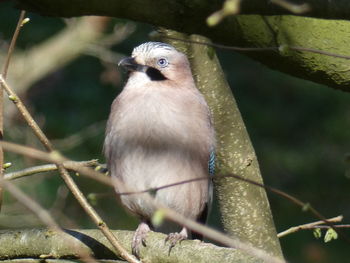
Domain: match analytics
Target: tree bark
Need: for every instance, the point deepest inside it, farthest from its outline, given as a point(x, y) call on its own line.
point(47, 244)
point(336, 9)
point(243, 30)
point(245, 211)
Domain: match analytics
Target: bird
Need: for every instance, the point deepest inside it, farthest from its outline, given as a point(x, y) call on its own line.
point(160, 132)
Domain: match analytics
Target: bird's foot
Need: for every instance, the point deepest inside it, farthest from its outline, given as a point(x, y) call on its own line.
point(139, 238)
point(174, 238)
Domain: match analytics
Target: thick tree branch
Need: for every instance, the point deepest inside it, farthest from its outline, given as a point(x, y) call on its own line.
point(336, 9)
point(243, 30)
point(35, 243)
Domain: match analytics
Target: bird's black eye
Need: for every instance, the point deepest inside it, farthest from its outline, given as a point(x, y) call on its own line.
point(162, 62)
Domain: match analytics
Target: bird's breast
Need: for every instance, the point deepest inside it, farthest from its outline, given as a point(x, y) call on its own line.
point(159, 116)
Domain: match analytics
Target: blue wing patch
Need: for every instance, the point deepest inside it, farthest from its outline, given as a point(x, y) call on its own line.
point(211, 163)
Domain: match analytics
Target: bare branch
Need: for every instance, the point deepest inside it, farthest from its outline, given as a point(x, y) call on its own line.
point(261, 49)
point(297, 9)
point(78, 138)
point(4, 72)
point(25, 114)
point(310, 226)
point(55, 158)
point(33, 206)
point(13, 44)
point(42, 214)
point(65, 175)
point(230, 7)
point(70, 165)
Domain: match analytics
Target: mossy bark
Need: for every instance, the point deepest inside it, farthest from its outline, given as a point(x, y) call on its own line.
point(242, 30)
point(244, 207)
point(45, 244)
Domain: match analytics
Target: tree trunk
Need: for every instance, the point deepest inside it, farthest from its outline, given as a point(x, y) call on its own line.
point(245, 211)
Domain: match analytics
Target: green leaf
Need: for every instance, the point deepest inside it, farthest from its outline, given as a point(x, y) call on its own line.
point(317, 233)
point(330, 234)
point(6, 165)
point(306, 207)
point(158, 217)
point(92, 198)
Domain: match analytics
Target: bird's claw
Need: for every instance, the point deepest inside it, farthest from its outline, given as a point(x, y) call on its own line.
point(139, 239)
point(174, 238)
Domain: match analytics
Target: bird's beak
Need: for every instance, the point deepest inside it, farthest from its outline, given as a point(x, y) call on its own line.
point(130, 64)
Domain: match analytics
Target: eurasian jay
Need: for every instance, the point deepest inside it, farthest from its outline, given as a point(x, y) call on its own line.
point(160, 132)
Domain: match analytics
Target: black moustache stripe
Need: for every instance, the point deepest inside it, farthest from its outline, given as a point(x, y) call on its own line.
point(154, 74)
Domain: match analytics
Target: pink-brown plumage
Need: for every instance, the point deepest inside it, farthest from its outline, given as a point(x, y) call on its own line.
point(159, 132)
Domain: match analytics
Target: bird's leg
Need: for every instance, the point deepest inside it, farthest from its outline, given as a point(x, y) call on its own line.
point(139, 238)
point(173, 238)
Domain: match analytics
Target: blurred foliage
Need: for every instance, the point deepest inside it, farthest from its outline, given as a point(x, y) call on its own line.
point(300, 131)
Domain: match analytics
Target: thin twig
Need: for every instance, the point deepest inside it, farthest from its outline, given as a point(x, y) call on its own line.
point(66, 177)
point(78, 138)
point(229, 7)
point(328, 227)
point(70, 165)
point(13, 44)
point(289, 197)
point(4, 72)
point(33, 206)
point(310, 225)
point(317, 51)
point(260, 49)
point(303, 205)
point(42, 214)
point(55, 158)
point(25, 114)
point(294, 8)
point(220, 46)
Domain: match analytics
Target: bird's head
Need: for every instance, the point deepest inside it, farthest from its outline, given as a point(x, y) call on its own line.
point(159, 61)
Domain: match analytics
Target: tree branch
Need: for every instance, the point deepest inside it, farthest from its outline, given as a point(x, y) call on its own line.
point(35, 243)
point(310, 225)
point(70, 165)
point(4, 73)
point(243, 30)
point(337, 9)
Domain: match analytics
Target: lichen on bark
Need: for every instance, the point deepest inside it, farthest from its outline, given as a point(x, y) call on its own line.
point(245, 211)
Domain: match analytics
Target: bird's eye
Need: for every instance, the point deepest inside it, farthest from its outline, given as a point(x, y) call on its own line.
point(162, 62)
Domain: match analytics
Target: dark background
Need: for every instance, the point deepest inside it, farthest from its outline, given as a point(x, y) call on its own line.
point(300, 131)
